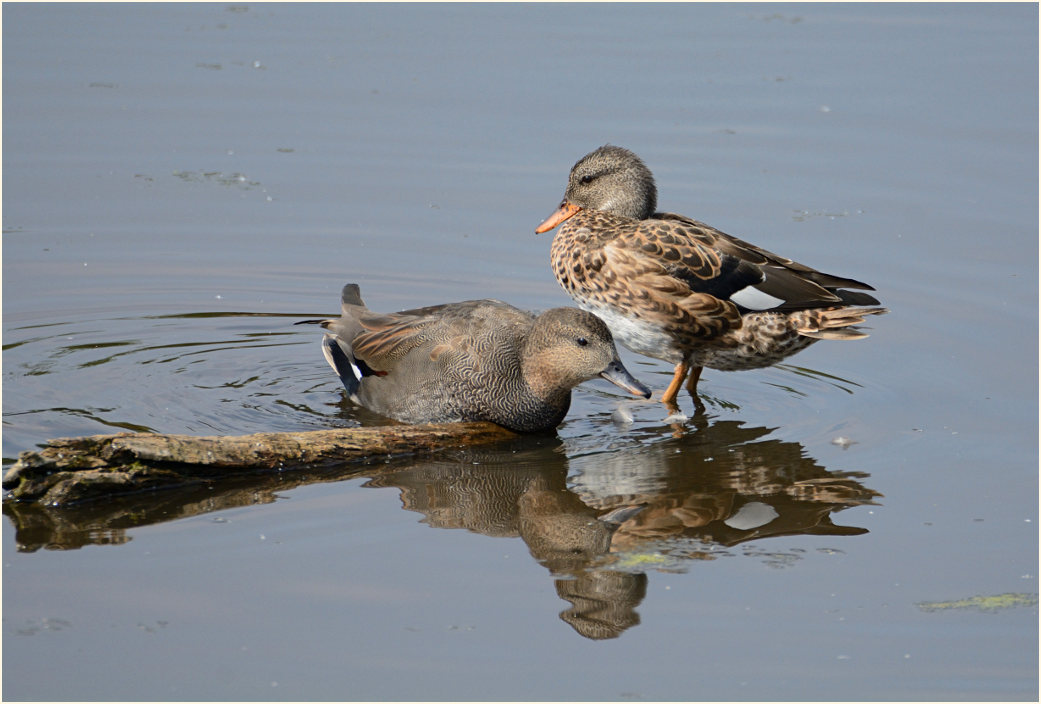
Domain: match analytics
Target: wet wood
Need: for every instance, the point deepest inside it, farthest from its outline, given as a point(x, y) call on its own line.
point(70, 470)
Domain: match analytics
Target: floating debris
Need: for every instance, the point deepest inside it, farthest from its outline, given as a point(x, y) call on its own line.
point(804, 215)
point(236, 179)
point(843, 442)
point(1009, 600)
point(622, 416)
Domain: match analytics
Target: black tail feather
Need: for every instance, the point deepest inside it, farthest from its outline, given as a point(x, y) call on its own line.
point(351, 295)
point(856, 298)
point(341, 363)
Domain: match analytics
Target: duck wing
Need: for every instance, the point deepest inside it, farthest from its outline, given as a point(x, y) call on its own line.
point(661, 281)
point(385, 339)
point(794, 286)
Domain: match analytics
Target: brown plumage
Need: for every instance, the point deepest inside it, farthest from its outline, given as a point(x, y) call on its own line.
point(470, 361)
point(677, 289)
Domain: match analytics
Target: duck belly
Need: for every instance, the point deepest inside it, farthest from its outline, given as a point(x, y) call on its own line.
point(640, 336)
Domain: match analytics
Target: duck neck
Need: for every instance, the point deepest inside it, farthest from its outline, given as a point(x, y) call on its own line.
point(636, 196)
point(540, 374)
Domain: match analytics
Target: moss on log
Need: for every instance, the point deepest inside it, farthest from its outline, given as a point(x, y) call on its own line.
point(71, 470)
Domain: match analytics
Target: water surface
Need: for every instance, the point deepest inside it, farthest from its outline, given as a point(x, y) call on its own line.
point(185, 181)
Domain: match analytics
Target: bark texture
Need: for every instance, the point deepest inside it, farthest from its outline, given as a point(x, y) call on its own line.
point(70, 470)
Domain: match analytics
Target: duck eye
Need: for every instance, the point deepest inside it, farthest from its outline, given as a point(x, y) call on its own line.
point(582, 342)
point(588, 178)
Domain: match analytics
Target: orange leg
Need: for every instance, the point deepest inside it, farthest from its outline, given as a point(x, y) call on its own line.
point(692, 382)
point(669, 397)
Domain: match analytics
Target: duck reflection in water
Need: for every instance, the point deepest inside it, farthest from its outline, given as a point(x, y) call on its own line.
point(601, 521)
point(597, 521)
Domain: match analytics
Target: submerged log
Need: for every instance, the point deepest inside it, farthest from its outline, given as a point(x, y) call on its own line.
point(70, 470)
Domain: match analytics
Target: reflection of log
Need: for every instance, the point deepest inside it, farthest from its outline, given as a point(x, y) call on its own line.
point(76, 469)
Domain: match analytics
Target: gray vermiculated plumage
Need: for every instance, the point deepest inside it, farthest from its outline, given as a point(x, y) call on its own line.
point(470, 361)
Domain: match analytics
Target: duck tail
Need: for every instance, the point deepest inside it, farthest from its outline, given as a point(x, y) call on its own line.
point(836, 323)
point(351, 296)
point(856, 298)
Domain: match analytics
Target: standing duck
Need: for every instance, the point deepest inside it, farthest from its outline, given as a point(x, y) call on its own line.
point(470, 361)
point(679, 290)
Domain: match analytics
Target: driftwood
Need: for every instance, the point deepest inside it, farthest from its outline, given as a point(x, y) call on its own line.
point(70, 470)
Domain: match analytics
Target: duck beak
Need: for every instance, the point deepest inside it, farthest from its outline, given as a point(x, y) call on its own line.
point(620, 376)
point(561, 214)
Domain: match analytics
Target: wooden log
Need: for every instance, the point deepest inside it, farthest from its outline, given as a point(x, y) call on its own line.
point(70, 470)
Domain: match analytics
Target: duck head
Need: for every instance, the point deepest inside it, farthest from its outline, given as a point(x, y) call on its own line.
point(611, 179)
point(568, 346)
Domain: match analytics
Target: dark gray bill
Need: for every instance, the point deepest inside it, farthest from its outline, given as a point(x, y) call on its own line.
point(620, 376)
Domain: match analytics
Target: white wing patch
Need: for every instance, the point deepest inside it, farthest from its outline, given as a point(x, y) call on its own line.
point(753, 299)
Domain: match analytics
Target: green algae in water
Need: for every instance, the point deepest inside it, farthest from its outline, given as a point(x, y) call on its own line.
point(982, 603)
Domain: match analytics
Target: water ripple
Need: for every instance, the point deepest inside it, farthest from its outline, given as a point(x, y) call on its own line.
point(196, 372)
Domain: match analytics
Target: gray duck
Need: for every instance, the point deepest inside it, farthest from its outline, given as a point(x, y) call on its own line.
point(481, 360)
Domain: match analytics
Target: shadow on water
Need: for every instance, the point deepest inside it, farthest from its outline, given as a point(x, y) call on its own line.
point(597, 522)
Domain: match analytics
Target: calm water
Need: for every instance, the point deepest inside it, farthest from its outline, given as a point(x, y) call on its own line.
point(183, 182)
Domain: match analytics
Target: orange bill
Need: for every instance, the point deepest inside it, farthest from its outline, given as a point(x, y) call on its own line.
point(561, 214)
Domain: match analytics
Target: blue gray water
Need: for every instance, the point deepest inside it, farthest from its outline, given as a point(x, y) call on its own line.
point(182, 182)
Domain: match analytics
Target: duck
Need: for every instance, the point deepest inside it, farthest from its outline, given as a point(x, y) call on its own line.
point(478, 360)
point(679, 290)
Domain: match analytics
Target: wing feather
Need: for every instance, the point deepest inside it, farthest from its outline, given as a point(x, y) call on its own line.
point(653, 292)
point(800, 286)
point(387, 338)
